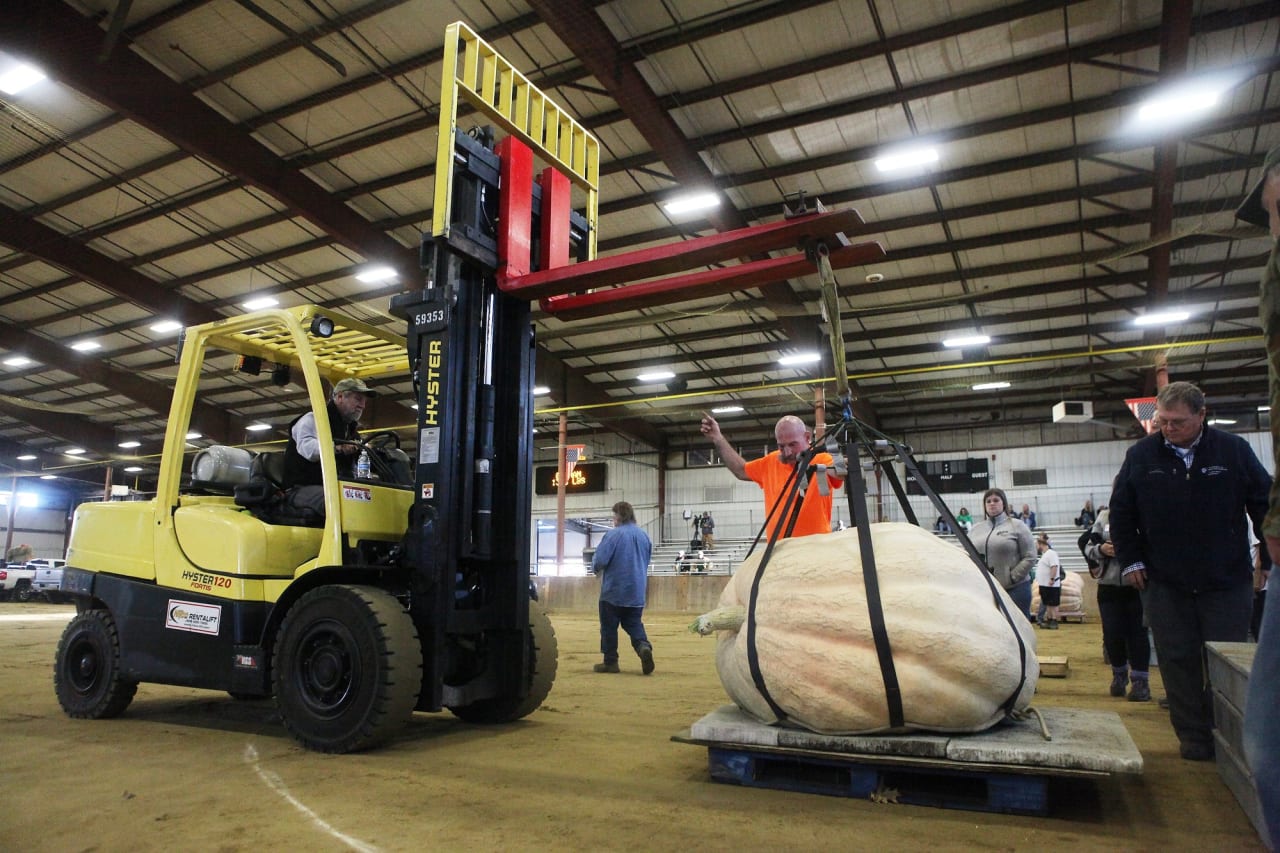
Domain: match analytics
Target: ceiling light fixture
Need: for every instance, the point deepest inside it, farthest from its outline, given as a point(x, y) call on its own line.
point(193, 435)
point(1221, 421)
point(990, 386)
point(690, 203)
point(18, 361)
point(1260, 409)
point(75, 451)
point(539, 390)
point(164, 326)
point(907, 158)
point(133, 469)
point(48, 476)
point(257, 427)
point(260, 302)
point(970, 341)
point(724, 410)
point(799, 358)
point(371, 275)
point(21, 77)
point(656, 376)
point(129, 445)
point(86, 346)
point(26, 457)
point(1161, 318)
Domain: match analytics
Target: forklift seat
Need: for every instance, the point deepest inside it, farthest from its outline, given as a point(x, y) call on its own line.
point(265, 495)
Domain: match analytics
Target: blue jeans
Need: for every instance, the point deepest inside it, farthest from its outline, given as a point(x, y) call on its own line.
point(1182, 623)
point(611, 616)
point(1021, 594)
point(1261, 725)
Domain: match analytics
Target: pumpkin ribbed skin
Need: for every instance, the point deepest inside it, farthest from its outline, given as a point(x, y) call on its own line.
point(956, 653)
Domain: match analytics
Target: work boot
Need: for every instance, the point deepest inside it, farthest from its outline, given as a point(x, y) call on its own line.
point(646, 658)
point(1139, 690)
point(1052, 624)
point(1119, 678)
point(607, 667)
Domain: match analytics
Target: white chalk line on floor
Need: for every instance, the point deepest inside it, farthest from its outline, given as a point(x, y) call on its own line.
point(65, 616)
point(275, 783)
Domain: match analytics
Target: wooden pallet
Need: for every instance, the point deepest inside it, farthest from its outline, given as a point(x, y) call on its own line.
point(971, 790)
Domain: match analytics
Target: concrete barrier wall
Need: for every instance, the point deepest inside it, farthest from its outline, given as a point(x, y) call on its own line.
point(666, 593)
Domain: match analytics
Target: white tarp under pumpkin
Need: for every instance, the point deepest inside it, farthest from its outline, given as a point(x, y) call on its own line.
point(958, 656)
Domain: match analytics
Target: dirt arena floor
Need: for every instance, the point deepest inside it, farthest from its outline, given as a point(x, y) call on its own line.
point(594, 769)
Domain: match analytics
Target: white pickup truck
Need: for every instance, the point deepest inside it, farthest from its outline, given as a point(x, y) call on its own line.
point(48, 578)
point(16, 582)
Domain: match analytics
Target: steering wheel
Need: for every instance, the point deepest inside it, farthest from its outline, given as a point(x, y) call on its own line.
point(379, 440)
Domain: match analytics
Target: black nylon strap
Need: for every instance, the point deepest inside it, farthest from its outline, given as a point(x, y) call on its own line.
point(856, 488)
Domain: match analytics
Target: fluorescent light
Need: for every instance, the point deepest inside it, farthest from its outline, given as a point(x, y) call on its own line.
point(166, 326)
point(1161, 318)
point(129, 445)
point(74, 451)
point(22, 77)
point(970, 341)
point(370, 275)
point(690, 203)
point(724, 410)
point(48, 476)
point(539, 390)
point(657, 376)
point(1222, 421)
point(799, 358)
point(990, 386)
point(257, 427)
point(86, 346)
point(27, 457)
point(133, 469)
point(193, 435)
point(18, 361)
point(1260, 409)
point(906, 159)
point(260, 302)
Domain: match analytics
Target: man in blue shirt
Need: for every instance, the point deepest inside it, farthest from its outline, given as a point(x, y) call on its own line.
point(621, 562)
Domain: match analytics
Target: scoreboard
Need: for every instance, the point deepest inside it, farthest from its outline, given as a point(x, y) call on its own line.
point(952, 475)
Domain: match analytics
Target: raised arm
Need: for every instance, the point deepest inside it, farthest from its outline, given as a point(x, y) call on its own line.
point(736, 464)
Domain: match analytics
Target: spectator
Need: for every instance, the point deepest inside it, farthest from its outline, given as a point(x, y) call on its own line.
point(1124, 633)
point(1049, 572)
point(964, 519)
point(1028, 517)
point(941, 526)
point(1179, 530)
point(622, 563)
point(1261, 725)
point(708, 528)
point(1006, 547)
point(1087, 516)
point(772, 472)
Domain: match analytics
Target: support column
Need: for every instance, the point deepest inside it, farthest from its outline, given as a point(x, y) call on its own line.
point(562, 481)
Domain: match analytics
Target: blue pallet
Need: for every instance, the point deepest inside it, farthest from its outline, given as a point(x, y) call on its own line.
point(973, 790)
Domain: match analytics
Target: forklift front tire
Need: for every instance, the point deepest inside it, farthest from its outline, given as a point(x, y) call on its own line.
point(86, 670)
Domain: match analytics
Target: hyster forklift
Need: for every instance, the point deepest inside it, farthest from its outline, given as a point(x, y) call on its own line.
point(413, 591)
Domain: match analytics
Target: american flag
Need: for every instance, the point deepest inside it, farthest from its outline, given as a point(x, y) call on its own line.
point(1144, 409)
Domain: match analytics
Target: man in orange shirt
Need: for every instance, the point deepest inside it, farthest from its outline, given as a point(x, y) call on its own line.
point(772, 471)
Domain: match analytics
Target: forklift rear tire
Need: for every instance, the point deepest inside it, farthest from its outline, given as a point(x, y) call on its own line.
point(504, 709)
point(347, 668)
point(86, 670)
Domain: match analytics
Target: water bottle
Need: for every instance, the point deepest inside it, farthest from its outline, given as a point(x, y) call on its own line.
point(363, 465)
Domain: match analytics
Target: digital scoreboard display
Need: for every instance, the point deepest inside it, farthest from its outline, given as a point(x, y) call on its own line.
point(585, 477)
point(951, 475)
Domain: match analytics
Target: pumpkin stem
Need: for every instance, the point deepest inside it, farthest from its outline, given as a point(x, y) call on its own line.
point(720, 619)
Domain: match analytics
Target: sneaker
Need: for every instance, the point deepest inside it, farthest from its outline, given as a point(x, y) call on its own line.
point(646, 658)
point(1118, 682)
point(1052, 624)
point(606, 667)
point(1140, 690)
point(1196, 750)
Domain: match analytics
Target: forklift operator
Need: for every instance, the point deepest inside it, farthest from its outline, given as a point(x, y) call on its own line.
point(302, 455)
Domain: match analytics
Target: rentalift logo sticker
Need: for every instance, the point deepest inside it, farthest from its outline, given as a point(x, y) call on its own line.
point(197, 618)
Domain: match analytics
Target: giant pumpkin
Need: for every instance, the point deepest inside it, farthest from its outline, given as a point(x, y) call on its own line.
point(960, 648)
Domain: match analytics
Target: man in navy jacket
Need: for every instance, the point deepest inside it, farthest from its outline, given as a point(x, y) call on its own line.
point(1179, 526)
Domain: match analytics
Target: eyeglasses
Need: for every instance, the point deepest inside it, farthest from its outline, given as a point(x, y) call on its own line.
point(1177, 423)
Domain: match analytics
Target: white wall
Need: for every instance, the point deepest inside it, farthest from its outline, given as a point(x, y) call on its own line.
point(45, 530)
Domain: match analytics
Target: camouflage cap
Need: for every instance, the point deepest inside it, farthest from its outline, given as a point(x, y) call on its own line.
point(1251, 209)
